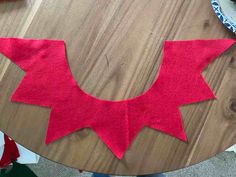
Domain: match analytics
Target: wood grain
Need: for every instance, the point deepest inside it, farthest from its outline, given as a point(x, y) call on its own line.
point(114, 50)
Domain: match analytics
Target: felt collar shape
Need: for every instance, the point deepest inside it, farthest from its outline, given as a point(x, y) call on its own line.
point(48, 82)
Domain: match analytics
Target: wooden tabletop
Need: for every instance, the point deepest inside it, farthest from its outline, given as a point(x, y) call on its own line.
point(114, 50)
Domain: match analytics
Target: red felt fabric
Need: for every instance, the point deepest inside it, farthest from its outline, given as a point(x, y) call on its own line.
point(49, 82)
point(10, 153)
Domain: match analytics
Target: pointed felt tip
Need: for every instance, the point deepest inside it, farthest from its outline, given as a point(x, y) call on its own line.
point(48, 141)
point(228, 42)
point(224, 44)
point(119, 156)
point(217, 46)
point(214, 96)
point(184, 138)
point(118, 153)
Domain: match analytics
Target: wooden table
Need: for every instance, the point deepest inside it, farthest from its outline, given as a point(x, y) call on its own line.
point(114, 50)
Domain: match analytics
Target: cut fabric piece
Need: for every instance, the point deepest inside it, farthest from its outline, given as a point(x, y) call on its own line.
point(26, 156)
point(49, 82)
point(10, 153)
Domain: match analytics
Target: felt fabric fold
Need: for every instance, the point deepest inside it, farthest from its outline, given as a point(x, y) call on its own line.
point(49, 82)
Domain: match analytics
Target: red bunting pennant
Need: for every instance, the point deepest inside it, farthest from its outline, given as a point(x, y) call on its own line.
point(49, 82)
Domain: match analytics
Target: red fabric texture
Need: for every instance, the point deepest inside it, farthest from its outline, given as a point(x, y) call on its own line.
point(49, 82)
point(10, 153)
